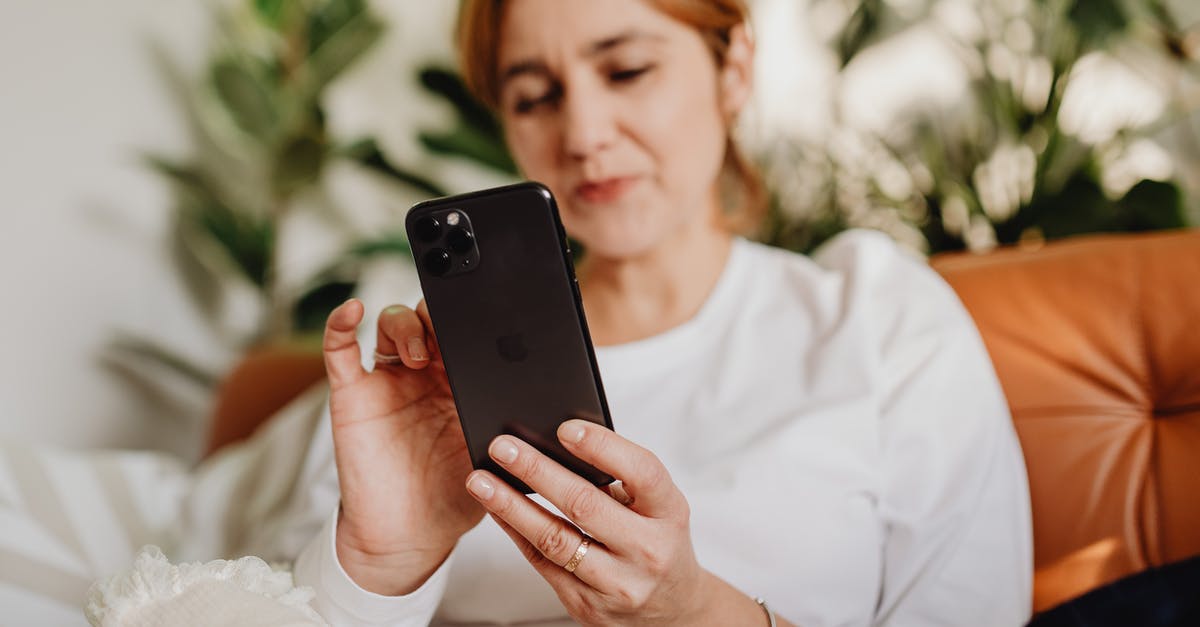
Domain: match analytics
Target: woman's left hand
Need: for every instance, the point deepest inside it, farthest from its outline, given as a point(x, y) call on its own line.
point(639, 566)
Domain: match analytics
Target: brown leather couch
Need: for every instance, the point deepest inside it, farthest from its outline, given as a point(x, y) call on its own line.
point(1096, 341)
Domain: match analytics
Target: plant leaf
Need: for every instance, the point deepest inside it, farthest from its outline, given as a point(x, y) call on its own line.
point(203, 283)
point(243, 92)
point(392, 244)
point(338, 49)
point(366, 153)
point(450, 86)
point(1079, 207)
point(327, 17)
point(161, 358)
point(298, 164)
point(247, 240)
point(1097, 21)
point(471, 144)
point(234, 167)
point(313, 307)
point(861, 29)
point(1153, 205)
point(271, 12)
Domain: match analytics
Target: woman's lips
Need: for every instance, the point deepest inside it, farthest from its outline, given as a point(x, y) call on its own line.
point(606, 190)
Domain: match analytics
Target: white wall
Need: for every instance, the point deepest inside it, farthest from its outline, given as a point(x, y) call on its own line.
point(81, 221)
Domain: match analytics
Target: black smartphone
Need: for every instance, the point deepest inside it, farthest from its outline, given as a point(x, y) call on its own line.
point(496, 270)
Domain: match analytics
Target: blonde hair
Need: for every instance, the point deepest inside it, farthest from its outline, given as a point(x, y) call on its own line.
point(478, 39)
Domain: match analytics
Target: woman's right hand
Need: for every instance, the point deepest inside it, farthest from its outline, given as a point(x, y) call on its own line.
point(402, 460)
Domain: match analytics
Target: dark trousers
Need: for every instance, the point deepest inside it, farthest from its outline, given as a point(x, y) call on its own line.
point(1167, 596)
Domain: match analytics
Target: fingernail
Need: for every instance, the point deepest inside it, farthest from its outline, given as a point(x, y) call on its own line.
point(416, 349)
point(571, 431)
point(480, 487)
point(503, 451)
point(394, 309)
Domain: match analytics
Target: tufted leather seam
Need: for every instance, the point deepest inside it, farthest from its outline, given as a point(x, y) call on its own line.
point(1019, 339)
point(1163, 412)
point(1076, 411)
point(1154, 499)
point(1149, 499)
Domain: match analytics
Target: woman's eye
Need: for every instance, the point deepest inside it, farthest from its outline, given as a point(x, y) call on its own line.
point(625, 76)
point(526, 105)
point(523, 105)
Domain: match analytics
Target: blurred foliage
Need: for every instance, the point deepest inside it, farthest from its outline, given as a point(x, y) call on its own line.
point(261, 148)
point(999, 168)
point(476, 134)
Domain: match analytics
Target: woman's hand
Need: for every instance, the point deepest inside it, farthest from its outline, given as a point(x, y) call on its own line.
point(639, 567)
point(401, 456)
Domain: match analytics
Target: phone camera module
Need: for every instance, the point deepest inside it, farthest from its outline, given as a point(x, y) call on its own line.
point(437, 262)
point(460, 241)
point(428, 229)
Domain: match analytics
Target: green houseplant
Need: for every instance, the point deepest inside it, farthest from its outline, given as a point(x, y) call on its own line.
point(1003, 166)
point(261, 146)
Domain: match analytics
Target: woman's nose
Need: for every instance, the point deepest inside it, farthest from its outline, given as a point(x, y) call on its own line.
point(589, 125)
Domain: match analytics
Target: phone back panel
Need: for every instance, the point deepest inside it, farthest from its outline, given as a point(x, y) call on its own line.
point(510, 326)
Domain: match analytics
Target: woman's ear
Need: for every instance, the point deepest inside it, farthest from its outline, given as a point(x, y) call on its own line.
point(737, 74)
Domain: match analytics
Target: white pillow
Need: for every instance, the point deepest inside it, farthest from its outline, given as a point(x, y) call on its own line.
point(156, 593)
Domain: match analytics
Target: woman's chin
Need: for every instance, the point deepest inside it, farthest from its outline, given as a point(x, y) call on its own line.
point(617, 230)
point(619, 245)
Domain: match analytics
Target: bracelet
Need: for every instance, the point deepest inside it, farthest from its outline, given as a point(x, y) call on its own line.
point(770, 615)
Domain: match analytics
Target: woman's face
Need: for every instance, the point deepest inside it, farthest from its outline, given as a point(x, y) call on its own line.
point(616, 107)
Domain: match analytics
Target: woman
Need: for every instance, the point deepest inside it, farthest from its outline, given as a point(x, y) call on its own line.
point(829, 435)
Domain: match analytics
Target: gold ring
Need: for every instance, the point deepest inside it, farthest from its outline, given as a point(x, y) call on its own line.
point(387, 360)
point(571, 565)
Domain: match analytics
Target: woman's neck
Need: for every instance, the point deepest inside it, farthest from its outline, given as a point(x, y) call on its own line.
point(629, 299)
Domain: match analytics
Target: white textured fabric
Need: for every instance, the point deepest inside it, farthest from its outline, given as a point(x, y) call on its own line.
point(156, 593)
point(840, 435)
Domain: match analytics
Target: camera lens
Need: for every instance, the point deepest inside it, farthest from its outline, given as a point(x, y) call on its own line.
point(460, 241)
point(428, 229)
point(437, 262)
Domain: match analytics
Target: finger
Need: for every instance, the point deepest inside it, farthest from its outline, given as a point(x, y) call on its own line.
point(617, 490)
point(430, 336)
point(343, 359)
point(400, 331)
point(559, 579)
point(580, 501)
point(645, 480)
point(548, 536)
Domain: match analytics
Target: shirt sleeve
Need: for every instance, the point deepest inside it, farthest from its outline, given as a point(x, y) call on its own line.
point(342, 603)
point(954, 507)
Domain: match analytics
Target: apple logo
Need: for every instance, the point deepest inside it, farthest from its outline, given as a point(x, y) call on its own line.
point(512, 347)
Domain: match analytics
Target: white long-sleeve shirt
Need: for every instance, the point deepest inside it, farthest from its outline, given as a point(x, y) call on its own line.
point(840, 435)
